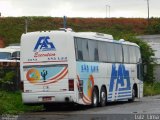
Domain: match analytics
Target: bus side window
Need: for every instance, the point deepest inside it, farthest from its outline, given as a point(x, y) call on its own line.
point(78, 48)
point(96, 57)
point(85, 50)
point(110, 52)
point(80, 55)
point(138, 55)
point(132, 54)
point(126, 54)
point(118, 53)
point(93, 50)
point(102, 51)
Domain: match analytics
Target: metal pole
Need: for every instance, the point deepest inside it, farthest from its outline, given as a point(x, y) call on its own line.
point(148, 10)
point(106, 10)
point(109, 10)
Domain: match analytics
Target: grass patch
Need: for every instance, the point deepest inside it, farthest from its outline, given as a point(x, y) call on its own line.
point(151, 89)
point(11, 103)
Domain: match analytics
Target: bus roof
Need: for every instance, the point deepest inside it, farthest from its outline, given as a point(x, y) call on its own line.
point(87, 35)
point(95, 34)
point(102, 37)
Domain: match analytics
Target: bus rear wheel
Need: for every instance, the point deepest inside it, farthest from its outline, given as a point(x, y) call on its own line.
point(103, 97)
point(95, 97)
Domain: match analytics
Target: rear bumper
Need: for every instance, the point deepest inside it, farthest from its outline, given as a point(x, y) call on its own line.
point(54, 97)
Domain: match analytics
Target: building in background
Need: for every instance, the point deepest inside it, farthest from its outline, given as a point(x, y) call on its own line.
point(154, 42)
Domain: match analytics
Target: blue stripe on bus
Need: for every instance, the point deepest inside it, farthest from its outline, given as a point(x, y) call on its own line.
point(120, 92)
point(123, 98)
point(124, 95)
point(124, 92)
point(119, 96)
point(109, 97)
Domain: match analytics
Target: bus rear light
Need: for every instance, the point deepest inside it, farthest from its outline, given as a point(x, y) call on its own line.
point(71, 84)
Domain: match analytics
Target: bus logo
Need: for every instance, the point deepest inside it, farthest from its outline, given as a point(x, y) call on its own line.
point(120, 79)
point(44, 44)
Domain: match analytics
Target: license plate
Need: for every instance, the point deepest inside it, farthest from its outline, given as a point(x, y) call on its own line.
point(46, 99)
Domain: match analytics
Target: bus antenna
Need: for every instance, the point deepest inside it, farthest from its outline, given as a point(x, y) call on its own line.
point(65, 22)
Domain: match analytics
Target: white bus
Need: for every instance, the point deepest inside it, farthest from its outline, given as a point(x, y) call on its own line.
point(79, 67)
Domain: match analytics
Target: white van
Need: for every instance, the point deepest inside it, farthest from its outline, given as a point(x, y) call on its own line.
point(9, 55)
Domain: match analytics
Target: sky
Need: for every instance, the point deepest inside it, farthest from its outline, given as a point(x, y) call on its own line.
point(80, 8)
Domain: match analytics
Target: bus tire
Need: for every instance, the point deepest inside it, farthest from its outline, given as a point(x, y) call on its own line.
point(95, 97)
point(103, 97)
point(133, 95)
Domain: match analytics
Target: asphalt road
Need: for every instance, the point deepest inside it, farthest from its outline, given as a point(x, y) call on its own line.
point(147, 108)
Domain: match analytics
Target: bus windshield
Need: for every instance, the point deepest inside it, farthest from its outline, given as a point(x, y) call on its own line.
point(5, 55)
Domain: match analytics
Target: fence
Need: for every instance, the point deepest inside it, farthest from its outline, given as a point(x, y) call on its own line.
point(9, 76)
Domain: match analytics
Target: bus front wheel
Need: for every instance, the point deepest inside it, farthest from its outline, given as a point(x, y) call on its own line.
point(103, 97)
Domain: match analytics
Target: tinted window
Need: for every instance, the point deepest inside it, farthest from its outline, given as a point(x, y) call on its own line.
point(118, 52)
point(79, 54)
point(110, 52)
point(93, 50)
point(16, 55)
point(85, 49)
point(138, 55)
point(126, 54)
point(102, 50)
point(5, 55)
point(90, 50)
point(132, 54)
